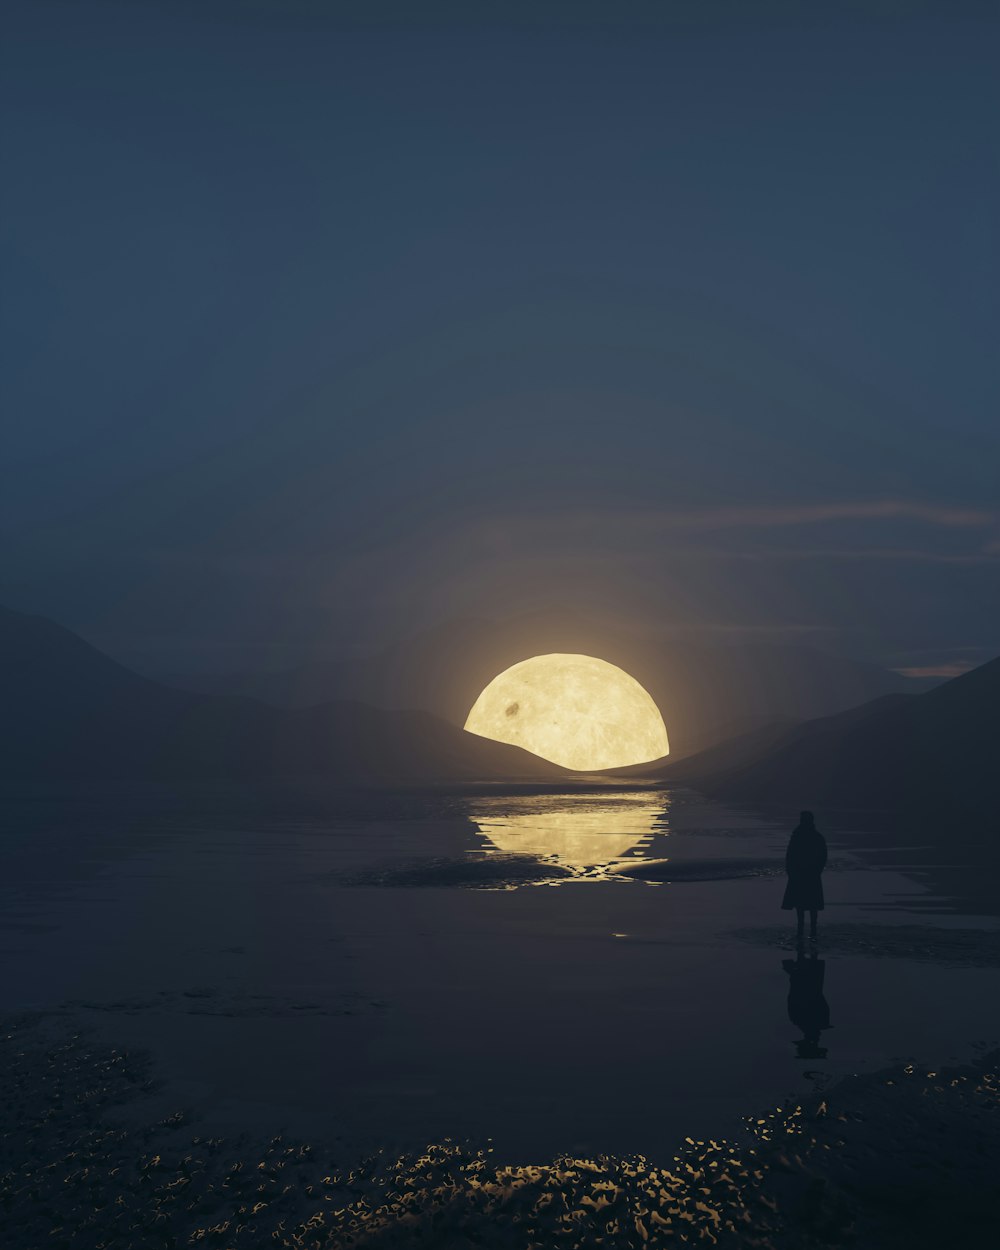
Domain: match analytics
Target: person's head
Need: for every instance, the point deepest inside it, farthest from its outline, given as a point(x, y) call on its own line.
point(806, 820)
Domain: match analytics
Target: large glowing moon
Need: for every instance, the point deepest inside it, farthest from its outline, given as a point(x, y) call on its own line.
point(575, 710)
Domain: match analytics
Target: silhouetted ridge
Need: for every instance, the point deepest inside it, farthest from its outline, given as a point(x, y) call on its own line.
point(705, 691)
point(975, 685)
point(935, 752)
point(66, 709)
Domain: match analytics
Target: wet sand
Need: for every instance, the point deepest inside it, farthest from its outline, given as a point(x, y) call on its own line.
point(959, 948)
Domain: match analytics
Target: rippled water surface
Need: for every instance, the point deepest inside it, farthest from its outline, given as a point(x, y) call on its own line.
point(560, 972)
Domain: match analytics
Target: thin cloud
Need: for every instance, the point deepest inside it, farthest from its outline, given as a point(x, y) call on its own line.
point(650, 521)
point(752, 631)
point(812, 514)
point(954, 669)
point(938, 653)
point(907, 555)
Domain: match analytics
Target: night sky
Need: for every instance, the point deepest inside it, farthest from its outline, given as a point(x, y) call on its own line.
point(324, 323)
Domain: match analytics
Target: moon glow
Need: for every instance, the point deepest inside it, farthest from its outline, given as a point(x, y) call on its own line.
point(574, 710)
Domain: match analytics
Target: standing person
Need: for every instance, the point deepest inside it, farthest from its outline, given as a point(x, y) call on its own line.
point(805, 860)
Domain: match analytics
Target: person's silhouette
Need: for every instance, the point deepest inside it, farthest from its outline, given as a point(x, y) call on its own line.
point(808, 1009)
point(805, 860)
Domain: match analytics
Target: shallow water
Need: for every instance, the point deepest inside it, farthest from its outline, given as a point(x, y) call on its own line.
point(397, 969)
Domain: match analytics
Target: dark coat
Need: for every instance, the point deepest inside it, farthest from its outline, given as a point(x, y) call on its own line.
point(805, 860)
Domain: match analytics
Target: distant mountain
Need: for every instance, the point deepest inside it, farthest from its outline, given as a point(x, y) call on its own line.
point(937, 752)
point(703, 690)
point(66, 709)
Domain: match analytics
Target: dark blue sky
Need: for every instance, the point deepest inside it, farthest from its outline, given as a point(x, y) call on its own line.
point(324, 322)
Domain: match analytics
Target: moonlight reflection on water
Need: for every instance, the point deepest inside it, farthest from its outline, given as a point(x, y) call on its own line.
point(575, 833)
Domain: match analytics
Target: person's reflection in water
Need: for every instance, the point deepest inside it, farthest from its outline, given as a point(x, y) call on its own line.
point(808, 1009)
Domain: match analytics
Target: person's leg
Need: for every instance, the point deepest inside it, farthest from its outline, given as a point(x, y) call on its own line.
point(801, 913)
point(812, 922)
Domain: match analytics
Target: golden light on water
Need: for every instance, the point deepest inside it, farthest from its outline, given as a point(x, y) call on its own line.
point(575, 710)
point(574, 836)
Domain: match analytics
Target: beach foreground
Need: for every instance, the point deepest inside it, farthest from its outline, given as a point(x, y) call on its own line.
point(893, 1158)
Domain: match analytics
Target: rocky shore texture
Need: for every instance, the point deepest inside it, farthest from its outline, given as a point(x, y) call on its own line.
point(903, 1157)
